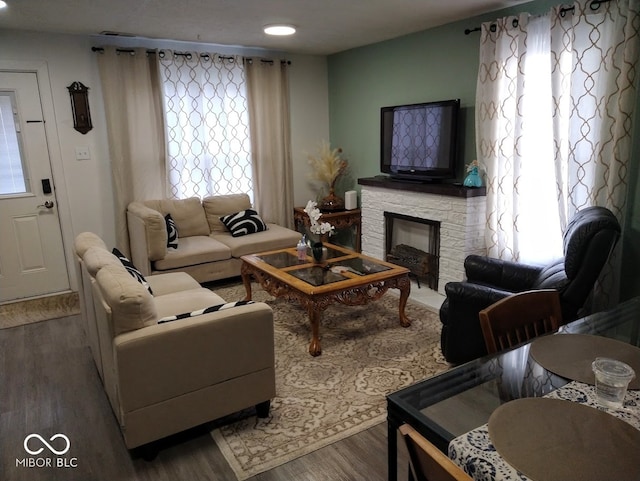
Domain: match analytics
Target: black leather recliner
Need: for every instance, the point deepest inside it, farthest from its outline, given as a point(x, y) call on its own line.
point(588, 241)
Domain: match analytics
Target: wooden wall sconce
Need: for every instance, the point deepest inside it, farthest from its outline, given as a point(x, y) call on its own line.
point(80, 107)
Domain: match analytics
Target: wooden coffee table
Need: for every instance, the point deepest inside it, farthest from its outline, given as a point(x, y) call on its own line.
point(316, 286)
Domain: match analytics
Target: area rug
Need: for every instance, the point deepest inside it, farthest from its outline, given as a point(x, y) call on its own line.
point(19, 313)
point(366, 354)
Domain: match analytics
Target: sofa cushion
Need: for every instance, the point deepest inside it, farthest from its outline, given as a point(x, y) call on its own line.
point(95, 258)
point(85, 240)
point(186, 301)
point(276, 237)
point(243, 223)
point(220, 205)
point(170, 282)
point(132, 306)
point(193, 250)
point(131, 269)
point(172, 232)
point(188, 214)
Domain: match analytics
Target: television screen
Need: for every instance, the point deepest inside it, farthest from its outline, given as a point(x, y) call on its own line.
point(419, 141)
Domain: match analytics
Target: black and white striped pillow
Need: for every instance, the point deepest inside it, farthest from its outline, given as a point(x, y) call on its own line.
point(199, 312)
point(131, 269)
point(244, 222)
point(172, 232)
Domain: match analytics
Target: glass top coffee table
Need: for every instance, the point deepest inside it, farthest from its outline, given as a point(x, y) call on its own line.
point(346, 277)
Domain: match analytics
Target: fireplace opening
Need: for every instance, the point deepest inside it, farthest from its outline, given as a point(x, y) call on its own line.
point(414, 243)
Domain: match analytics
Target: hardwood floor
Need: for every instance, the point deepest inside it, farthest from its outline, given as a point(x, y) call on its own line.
point(49, 384)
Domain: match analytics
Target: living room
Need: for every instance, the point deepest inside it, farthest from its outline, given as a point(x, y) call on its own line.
point(329, 100)
point(335, 97)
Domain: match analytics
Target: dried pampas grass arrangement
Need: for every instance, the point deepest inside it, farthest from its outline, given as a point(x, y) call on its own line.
point(328, 165)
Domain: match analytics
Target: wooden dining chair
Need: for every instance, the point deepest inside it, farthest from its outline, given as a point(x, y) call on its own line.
point(428, 463)
point(519, 318)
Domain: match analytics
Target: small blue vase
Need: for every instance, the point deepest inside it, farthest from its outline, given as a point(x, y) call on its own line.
point(473, 179)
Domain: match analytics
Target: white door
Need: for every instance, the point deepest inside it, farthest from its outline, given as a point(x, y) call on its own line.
point(32, 260)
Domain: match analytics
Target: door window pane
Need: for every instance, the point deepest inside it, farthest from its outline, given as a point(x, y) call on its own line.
point(12, 179)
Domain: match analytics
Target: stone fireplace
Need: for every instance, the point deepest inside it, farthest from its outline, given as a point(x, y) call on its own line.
point(458, 211)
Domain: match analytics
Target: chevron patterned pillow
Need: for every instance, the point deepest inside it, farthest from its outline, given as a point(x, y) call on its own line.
point(244, 222)
point(172, 232)
point(131, 269)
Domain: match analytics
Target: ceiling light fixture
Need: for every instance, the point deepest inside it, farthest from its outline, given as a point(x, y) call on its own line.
point(3, 4)
point(279, 29)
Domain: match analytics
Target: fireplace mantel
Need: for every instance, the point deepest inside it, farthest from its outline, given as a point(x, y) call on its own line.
point(437, 188)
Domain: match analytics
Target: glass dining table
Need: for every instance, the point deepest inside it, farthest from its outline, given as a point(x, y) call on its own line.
point(462, 399)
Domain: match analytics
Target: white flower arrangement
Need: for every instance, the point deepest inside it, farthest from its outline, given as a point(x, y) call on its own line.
point(314, 215)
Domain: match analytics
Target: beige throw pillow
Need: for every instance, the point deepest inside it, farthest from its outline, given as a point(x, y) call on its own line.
point(220, 205)
point(188, 215)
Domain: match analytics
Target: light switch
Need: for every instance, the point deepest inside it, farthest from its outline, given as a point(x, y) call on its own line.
point(82, 153)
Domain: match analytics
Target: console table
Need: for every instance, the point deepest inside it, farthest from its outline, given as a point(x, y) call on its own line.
point(340, 220)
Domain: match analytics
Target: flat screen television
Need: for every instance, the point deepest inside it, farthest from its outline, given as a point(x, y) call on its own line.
point(419, 141)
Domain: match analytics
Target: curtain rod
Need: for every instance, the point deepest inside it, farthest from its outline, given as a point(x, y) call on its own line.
point(189, 55)
point(594, 5)
point(120, 50)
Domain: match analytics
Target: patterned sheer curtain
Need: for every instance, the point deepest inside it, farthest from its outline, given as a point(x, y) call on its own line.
point(554, 110)
point(207, 125)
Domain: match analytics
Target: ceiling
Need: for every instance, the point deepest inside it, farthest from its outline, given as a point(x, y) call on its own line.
point(324, 26)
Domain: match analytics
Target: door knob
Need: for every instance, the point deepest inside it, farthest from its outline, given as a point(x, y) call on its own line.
point(48, 204)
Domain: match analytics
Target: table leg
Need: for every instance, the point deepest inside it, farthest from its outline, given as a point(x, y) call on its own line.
point(314, 317)
point(246, 280)
point(392, 451)
point(404, 285)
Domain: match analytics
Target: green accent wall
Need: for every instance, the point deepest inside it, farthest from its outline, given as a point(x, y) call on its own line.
point(407, 70)
point(436, 64)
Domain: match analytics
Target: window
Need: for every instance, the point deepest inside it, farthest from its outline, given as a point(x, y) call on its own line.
point(207, 122)
point(554, 101)
point(12, 171)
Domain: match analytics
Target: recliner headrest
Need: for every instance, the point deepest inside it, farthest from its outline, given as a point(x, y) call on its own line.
point(582, 228)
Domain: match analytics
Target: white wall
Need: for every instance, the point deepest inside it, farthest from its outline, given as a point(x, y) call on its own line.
point(84, 188)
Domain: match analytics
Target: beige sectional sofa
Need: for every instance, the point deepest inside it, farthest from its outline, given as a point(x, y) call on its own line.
point(206, 249)
point(163, 378)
